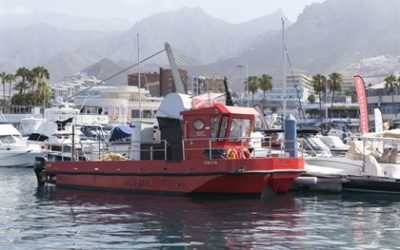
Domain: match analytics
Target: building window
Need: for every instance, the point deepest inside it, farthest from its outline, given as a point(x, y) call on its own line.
point(146, 113)
point(135, 113)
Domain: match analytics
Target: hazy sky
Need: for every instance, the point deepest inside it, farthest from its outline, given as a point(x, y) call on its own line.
point(234, 11)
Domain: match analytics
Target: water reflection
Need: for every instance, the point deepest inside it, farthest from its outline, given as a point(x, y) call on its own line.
point(49, 218)
point(156, 221)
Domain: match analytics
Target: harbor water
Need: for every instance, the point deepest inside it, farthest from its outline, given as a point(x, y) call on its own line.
point(54, 218)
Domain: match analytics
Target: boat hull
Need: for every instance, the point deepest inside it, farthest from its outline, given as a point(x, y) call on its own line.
point(244, 176)
point(332, 166)
point(372, 184)
point(18, 158)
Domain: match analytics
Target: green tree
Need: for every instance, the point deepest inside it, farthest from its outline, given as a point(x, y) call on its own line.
point(265, 83)
point(26, 76)
point(391, 85)
point(10, 78)
point(43, 94)
point(3, 81)
point(319, 86)
point(39, 73)
point(335, 82)
point(252, 83)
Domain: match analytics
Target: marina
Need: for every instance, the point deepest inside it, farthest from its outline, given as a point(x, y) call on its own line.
point(176, 129)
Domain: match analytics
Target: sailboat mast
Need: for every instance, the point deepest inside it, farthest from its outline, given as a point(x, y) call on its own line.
point(284, 68)
point(140, 97)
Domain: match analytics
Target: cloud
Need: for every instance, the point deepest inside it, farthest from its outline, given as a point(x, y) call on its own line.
point(17, 11)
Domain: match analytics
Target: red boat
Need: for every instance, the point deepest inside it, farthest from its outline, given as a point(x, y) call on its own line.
point(204, 150)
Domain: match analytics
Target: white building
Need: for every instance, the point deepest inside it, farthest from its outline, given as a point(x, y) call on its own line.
point(122, 104)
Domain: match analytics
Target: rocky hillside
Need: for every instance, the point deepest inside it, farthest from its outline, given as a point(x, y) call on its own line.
point(327, 37)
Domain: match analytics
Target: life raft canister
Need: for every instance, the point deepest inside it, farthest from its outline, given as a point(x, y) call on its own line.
point(232, 153)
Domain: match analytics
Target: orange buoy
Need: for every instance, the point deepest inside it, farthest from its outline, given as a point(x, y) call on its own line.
point(232, 154)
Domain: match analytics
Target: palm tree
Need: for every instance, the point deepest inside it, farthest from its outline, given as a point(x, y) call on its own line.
point(21, 87)
point(10, 78)
point(26, 76)
point(265, 83)
point(391, 84)
point(43, 92)
point(39, 73)
point(334, 84)
point(252, 84)
point(319, 85)
point(3, 81)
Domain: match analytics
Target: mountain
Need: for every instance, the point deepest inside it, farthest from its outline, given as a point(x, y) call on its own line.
point(105, 68)
point(66, 63)
point(44, 44)
point(327, 37)
point(192, 31)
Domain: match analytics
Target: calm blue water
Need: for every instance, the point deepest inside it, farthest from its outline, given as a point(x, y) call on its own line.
point(50, 218)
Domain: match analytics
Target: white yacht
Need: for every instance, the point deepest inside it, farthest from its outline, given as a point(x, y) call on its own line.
point(14, 150)
point(370, 165)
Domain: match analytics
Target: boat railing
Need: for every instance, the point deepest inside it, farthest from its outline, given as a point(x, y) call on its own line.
point(245, 147)
point(100, 150)
point(252, 150)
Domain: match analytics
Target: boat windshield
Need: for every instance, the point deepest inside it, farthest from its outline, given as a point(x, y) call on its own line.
point(240, 128)
point(224, 126)
point(214, 122)
point(6, 139)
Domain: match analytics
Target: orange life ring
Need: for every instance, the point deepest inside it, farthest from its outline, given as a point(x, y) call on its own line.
point(232, 154)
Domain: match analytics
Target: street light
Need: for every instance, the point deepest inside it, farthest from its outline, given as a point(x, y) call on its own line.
point(240, 66)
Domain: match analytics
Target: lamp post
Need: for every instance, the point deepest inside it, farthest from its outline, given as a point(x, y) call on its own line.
point(240, 67)
point(247, 85)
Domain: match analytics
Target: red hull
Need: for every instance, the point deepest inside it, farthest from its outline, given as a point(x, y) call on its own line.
point(243, 176)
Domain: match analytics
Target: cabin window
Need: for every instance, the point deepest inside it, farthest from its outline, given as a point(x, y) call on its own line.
point(240, 128)
point(224, 126)
point(146, 113)
point(135, 113)
point(6, 139)
point(198, 124)
point(214, 124)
